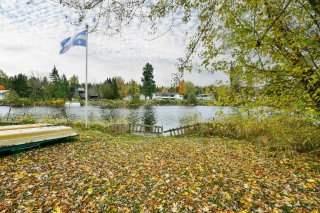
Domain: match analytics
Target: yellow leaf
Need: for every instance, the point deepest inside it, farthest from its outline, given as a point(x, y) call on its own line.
point(22, 174)
point(3, 167)
point(90, 190)
point(309, 185)
point(57, 210)
point(275, 211)
point(228, 197)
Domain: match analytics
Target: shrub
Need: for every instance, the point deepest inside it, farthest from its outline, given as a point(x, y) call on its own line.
point(277, 133)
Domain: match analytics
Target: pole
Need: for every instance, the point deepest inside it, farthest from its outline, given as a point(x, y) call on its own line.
point(86, 86)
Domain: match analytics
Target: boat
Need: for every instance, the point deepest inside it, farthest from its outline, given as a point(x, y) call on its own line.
point(22, 136)
point(72, 104)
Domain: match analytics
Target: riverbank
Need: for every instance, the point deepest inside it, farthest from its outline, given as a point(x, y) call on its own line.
point(100, 172)
point(26, 102)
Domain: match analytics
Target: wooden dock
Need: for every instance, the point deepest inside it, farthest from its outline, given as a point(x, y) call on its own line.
point(143, 128)
point(184, 130)
point(22, 136)
point(135, 128)
point(153, 129)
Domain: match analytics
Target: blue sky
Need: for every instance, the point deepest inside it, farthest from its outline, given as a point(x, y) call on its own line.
point(30, 38)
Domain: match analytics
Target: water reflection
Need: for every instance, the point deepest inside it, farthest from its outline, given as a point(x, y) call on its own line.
point(166, 116)
point(134, 115)
point(148, 117)
point(110, 114)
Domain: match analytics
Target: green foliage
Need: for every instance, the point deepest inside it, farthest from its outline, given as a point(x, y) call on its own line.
point(148, 84)
point(190, 93)
point(36, 88)
point(19, 83)
point(62, 88)
point(134, 90)
point(74, 81)
point(109, 89)
point(11, 97)
point(54, 75)
point(273, 45)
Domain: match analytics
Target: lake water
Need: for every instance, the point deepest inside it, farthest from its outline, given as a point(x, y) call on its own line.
point(166, 116)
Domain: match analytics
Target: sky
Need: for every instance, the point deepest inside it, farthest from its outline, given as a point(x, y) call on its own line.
point(30, 36)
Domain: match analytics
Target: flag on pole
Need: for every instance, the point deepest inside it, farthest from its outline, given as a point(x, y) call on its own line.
point(81, 39)
point(78, 40)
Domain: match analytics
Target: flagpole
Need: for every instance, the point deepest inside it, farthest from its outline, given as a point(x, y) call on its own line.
point(86, 86)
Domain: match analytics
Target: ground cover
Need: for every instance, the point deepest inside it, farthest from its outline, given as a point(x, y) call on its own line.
point(99, 172)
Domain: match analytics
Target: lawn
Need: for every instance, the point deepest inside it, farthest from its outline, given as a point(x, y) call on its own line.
point(99, 172)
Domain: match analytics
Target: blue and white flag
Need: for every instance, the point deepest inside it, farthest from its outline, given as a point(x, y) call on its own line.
point(78, 40)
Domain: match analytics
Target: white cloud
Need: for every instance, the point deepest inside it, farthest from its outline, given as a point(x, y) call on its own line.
point(30, 37)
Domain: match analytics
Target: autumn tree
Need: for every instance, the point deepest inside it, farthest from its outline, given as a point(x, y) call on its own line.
point(148, 84)
point(4, 79)
point(122, 87)
point(182, 87)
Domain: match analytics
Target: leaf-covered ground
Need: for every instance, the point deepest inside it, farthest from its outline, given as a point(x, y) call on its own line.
point(129, 173)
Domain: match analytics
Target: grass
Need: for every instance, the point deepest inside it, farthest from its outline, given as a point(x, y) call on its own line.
point(99, 172)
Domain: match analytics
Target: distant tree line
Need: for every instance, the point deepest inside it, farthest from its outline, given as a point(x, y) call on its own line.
point(58, 86)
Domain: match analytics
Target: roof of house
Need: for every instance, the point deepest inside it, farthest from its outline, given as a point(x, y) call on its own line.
point(165, 93)
point(4, 91)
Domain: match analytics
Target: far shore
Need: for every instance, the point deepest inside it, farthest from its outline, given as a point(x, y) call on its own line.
point(26, 102)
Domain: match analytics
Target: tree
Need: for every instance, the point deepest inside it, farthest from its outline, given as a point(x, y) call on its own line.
point(19, 83)
point(74, 81)
point(62, 88)
point(121, 87)
point(148, 84)
point(109, 89)
point(58, 88)
point(190, 93)
point(54, 75)
point(4, 79)
point(274, 43)
point(133, 90)
point(35, 87)
point(115, 89)
point(182, 87)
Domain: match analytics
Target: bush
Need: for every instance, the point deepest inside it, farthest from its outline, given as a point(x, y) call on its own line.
point(277, 133)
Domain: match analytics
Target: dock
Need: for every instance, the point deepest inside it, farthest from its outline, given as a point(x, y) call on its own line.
point(22, 136)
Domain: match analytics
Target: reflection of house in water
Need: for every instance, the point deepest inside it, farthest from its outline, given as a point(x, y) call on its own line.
point(166, 96)
point(93, 96)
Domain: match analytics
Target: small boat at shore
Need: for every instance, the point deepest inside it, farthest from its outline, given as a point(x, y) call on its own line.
point(72, 104)
point(23, 136)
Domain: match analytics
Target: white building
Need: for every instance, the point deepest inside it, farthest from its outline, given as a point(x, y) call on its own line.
point(166, 96)
point(2, 92)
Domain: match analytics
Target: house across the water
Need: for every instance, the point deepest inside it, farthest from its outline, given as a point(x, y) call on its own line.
point(167, 96)
point(2, 92)
point(78, 92)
